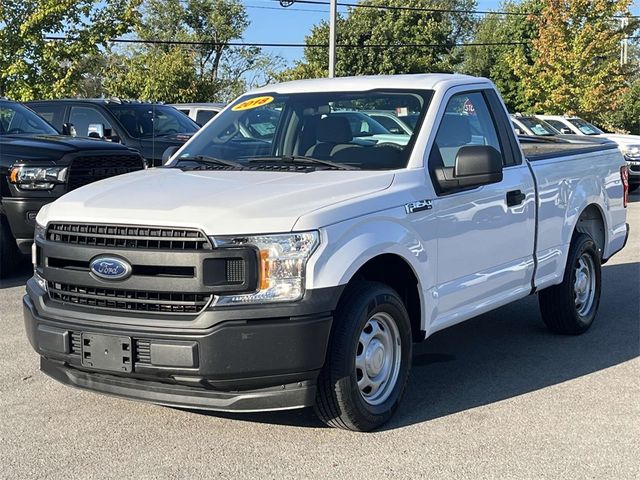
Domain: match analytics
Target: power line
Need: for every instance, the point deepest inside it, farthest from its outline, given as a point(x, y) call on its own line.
point(290, 45)
point(427, 9)
point(415, 9)
point(297, 45)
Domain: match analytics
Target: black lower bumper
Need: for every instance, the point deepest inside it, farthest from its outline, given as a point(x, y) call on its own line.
point(281, 397)
point(236, 365)
point(21, 213)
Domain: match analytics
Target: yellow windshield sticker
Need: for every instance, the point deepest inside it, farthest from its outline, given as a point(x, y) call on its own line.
point(252, 103)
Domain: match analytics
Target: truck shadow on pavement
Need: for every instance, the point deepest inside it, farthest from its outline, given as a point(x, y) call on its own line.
point(504, 354)
point(19, 277)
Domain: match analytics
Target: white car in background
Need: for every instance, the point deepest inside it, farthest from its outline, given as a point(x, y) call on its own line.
point(629, 144)
point(200, 113)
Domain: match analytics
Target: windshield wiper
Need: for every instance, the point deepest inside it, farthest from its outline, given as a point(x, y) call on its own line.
point(304, 160)
point(209, 160)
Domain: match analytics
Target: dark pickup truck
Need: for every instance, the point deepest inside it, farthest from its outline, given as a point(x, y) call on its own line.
point(150, 128)
point(38, 165)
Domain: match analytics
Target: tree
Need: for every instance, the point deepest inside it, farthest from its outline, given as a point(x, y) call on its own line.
point(366, 32)
point(575, 66)
point(203, 68)
point(494, 61)
point(32, 66)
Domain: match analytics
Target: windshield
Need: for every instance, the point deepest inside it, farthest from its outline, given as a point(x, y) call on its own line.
point(538, 127)
point(17, 119)
point(149, 120)
point(323, 126)
point(585, 127)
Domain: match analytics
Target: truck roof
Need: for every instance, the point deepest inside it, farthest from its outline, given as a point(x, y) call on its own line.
point(421, 81)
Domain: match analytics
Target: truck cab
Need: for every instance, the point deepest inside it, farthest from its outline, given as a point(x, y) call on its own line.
point(149, 128)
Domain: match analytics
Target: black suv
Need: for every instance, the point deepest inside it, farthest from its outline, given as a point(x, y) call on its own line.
point(150, 128)
point(37, 165)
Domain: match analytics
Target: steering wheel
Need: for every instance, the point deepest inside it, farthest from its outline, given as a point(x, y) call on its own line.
point(170, 130)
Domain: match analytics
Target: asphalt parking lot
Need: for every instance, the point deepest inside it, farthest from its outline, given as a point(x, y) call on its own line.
point(496, 397)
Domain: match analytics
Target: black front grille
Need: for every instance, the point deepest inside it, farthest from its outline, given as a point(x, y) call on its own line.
point(126, 236)
point(85, 170)
point(634, 168)
point(76, 343)
point(129, 300)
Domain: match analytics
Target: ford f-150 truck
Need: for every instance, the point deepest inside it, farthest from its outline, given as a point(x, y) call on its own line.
point(297, 266)
point(38, 165)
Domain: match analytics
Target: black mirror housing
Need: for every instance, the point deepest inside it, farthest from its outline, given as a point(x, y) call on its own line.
point(475, 165)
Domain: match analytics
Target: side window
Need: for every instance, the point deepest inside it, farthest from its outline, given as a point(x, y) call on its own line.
point(54, 114)
point(467, 121)
point(203, 116)
point(82, 117)
point(558, 125)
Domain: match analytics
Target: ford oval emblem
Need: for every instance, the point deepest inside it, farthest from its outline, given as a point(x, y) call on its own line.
point(110, 268)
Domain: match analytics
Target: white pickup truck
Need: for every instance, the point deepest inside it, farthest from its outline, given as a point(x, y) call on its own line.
point(285, 258)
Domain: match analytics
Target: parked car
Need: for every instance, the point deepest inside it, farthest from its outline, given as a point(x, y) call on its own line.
point(303, 274)
point(531, 125)
point(366, 130)
point(391, 122)
point(38, 165)
point(629, 144)
point(149, 128)
point(200, 113)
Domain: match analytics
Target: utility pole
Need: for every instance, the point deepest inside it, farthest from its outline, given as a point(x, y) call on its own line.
point(624, 43)
point(333, 13)
point(333, 7)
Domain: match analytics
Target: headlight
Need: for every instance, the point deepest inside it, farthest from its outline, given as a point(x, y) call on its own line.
point(283, 260)
point(37, 178)
point(631, 152)
point(39, 234)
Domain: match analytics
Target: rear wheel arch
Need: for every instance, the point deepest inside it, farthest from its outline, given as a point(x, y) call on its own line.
point(592, 222)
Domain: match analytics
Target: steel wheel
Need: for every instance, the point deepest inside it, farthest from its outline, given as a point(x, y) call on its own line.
point(378, 358)
point(584, 285)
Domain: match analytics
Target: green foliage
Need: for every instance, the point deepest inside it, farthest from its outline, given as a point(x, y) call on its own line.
point(627, 117)
point(494, 61)
point(178, 73)
point(370, 26)
point(32, 67)
point(575, 67)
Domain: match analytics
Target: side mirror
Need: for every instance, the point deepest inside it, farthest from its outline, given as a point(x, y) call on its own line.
point(519, 132)
point(478, 165)
point(95, 130)
point(475, 165)
point(168, 153)
point(68, 129)
point(565, 131)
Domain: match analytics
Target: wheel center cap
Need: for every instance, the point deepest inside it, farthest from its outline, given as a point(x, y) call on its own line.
point(581, 284)
point(374, 358)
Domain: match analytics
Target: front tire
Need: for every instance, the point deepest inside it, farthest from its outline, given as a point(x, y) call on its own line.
point(368, 359)
point(570, 307)
point(633, 188)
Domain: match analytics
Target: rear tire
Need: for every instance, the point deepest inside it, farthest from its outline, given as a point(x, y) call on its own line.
point(570, 307)
point(368, 359)
point(9, 253)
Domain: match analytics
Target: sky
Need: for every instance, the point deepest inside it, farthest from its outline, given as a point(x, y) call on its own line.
point(270, 23)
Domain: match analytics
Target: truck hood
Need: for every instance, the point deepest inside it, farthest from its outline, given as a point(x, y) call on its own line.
point(51, 147)
point(622, 140)
point(218, 202)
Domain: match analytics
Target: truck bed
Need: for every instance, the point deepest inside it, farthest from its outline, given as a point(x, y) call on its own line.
point(543, 149)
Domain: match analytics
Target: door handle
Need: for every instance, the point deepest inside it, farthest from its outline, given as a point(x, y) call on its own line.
point(515, 197)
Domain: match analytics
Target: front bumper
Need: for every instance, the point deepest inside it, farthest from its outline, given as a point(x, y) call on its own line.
point(21, 213)
point(248, 364)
